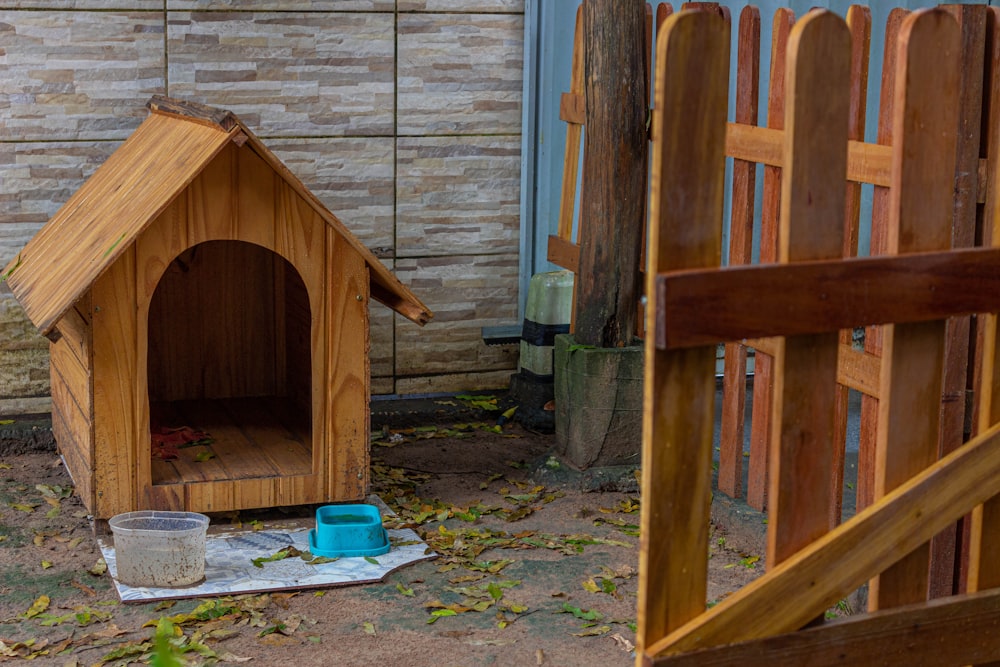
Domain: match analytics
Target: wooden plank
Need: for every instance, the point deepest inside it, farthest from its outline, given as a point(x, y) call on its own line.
point(238, 454)
point(564, 253)
point(733, 422)
point(984, 551)
point(115, 350)
point(345, 385)
point(289, 451)
point(255, 197)
point(72, 426)
point(866, 163)
point(791, 594)
point(952, 631)
point(760, 426)
point(811, 227)
point(855, 368)
point(75, 336)
point(859, 370)
point(927, 76)
point(573, 108)
point(731, 303)
point(859, 21)
point(574, 135)
point(878, 246)
point(685, 231)
point(972, 23)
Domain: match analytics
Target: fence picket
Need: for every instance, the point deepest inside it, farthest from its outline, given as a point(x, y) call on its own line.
point(686, 231)
point(760, 425)
point(925, 122)
point(734, 387)
point(811, 226)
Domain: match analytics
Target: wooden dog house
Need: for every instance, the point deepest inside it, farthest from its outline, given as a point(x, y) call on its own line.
point(193, 281)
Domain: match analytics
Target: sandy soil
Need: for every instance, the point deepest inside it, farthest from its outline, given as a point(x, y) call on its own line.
point(530, 574)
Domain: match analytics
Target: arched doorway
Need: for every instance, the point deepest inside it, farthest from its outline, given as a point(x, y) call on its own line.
point(229, 366)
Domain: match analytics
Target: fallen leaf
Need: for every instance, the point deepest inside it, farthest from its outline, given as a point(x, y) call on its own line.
point(37, 607)
point(46, 564)
point(579, 613)
point(623, 643)
point(99, 568)
point(82, 587)
point(593, 632)
point(23, 507)
point(403, 590)
point(369, 628)
point(440, 613)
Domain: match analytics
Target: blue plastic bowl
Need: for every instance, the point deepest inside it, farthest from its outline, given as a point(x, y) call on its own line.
point(348, 531)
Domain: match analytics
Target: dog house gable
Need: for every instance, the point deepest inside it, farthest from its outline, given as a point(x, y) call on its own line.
point(192, 270)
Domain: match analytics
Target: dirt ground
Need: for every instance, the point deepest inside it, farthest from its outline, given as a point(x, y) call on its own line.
point(533, 570)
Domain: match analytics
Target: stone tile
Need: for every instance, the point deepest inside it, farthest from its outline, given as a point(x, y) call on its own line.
point(466, 293)
point(458, 195)
point(382, 340)
point(77, 75)
point(288, 74)
point(353, 177)
point(132, 5)
point(468, 6)
point(38, 178)
point(24, 354)
point(460, 73)
point(283, 5)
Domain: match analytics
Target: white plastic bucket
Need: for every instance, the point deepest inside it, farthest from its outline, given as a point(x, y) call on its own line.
point(156, 549)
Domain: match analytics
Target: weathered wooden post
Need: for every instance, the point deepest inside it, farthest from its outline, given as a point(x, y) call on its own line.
point(614, 173)
point(596, 422)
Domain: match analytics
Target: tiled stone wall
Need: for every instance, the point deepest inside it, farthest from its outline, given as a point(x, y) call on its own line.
point(403, 116)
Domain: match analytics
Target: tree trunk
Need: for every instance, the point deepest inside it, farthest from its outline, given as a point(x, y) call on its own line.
point(614, 173)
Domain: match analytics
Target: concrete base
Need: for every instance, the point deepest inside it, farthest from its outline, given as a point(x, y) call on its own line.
point(598, 395)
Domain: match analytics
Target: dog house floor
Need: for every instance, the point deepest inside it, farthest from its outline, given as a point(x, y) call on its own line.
point(250, 438)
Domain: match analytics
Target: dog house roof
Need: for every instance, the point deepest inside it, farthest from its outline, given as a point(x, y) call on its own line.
point(126, 194)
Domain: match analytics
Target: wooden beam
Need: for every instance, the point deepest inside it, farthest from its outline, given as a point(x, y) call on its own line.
point(711, 306)
point(958, 630)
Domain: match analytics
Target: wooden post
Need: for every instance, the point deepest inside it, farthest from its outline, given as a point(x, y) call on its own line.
point(614, 173)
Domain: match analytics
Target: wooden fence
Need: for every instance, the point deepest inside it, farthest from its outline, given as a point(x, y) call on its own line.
point(751, 144)
point(800, 302)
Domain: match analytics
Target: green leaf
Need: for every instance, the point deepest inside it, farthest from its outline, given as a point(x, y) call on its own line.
point(495, 591)
point(282, 554)
point(440, 613)
point(403, 590)
point(579, 613)
point(371, 560)
point(369, 628)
